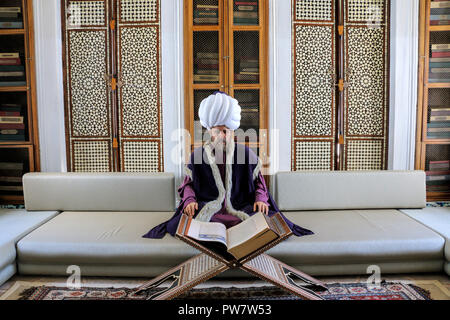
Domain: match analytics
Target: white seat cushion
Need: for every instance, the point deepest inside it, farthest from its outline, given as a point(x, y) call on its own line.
point(14, 224)
point(436, 218)
point(359, 236)
point(341, 237)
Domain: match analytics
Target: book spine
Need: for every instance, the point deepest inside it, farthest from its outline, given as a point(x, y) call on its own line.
point(12, 73)
point(12, 126)
point(439, 65)
point(247, 8)
point(208, 55)
point(12, 83)
point(12, 137)
point(439, 22)
point(440, 4)
point(10, 9)
point(206, 6)
point(11, 188)
point(444, 54)
point(9, 113)
point(431, 173)
point(11, 25)
point(10, 179)
point(246, 15)
point(440, 17)
point(443, 46)
point(15, 15)
point(9, 55)
point(9, 62)
point(440, 11)
point(245, 3)
point(12, 131)
point(6, 119)
point(11, 165)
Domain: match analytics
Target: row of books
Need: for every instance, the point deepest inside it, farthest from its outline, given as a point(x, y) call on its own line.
point(11, 18)
point(440, 63)
point(440, 12)
point(247, 69)
point(438, 176)
point(11, 176)
point(439, 125)
point(12, 71)
point(206, 14)
point(249, 114)
point(245, 12)
point(206, 67)
point(12, 126)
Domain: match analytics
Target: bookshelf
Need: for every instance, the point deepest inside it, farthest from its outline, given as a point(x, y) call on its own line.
point(19, 144)
point(433, 114)
point(226, 50)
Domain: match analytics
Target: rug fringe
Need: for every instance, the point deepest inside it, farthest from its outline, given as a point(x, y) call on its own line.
point(27, 293)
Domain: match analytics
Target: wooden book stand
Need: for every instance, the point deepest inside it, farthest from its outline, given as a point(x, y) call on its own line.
point(210, 263)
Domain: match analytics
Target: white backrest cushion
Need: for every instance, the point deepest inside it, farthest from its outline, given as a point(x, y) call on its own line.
point(109, 191)
point(323, 190)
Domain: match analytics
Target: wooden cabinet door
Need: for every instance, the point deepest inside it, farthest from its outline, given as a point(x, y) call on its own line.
point(112, 78)
point(139, 90)
point(226, 50)
point(87, 97)
point(341, 84)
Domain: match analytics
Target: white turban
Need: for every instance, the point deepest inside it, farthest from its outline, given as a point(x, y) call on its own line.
point(220, 109)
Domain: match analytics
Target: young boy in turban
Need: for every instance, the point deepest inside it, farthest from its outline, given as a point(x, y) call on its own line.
point(228, 187)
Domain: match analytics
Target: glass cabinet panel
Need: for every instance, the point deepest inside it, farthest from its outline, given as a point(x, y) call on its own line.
point(11, 14)
point(246, 56)
point(250, 110)
point(12, 61)
point(245, 12)
point(438, 118)
point(437, 167)
point(206, 12)
point(14, 163)
point(206, 57)
point(439, 53)
point(13, 116)
point(199, 95)
point(439, 13)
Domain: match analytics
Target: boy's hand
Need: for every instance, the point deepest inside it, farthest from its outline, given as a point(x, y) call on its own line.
point(264, 208)
point(190, 209)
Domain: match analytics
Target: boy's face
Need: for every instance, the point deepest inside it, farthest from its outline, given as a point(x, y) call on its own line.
point(221, 134)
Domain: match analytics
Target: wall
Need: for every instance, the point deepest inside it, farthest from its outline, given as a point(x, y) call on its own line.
point(404, 33)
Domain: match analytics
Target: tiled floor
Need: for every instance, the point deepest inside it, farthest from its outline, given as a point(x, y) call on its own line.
point(437, 283)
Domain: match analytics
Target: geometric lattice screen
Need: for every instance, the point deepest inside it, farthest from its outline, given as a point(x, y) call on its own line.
point(113, 85)
point(366, 54)
point(326, 133)
point(313, 115)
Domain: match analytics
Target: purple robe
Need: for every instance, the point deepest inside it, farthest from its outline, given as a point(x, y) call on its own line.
point(223, 216)
point(246, 189)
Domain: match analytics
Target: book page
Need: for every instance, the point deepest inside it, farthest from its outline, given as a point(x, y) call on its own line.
point(246, 230)
point(208, 231)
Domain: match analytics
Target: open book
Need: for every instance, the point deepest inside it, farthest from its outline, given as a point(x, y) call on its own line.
point(239, 240)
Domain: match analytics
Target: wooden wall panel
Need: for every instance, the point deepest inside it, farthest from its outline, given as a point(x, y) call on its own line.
point(87, 102)
point(139, 98)
point(366, 120)
point(351, 133)
point(113, 85)
point(313, 114)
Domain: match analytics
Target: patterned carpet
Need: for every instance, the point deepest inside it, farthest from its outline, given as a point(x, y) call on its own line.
point(336, 291)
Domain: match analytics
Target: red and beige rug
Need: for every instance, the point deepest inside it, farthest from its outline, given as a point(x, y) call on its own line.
point(336, 291)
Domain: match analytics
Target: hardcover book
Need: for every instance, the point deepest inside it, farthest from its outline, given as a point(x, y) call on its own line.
point(240, 240)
